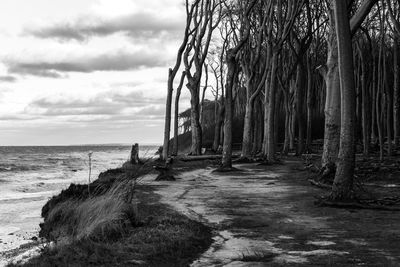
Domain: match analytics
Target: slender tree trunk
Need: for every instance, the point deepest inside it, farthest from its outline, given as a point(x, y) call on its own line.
point(168, 108)
point(300, 108)
point(396, 93)
point(309, 104)
point(176, 118)
point(218, 126)
point(343, 182)
point(286, 143)
point(271, 111)
point(389, 111)
point(258, 134)
point(373, 89)
point(365, 127)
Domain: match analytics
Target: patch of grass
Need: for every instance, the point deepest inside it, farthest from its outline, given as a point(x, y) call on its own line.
point(108, 230)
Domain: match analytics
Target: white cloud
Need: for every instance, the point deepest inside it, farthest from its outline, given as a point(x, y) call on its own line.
point(109, 60)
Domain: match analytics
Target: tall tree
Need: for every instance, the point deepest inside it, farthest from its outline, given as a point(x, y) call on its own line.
point(232, 72)
point(172, 74)
point(343, 183)
point(206, 18)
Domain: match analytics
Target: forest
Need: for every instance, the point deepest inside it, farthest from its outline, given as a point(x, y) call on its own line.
point(288, 76)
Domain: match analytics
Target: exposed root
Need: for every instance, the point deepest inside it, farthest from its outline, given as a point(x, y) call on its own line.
point(327, 173)
point(320, 185)
point(266, 162)
point(223, 169)
point(244, 160)
point(354, 204)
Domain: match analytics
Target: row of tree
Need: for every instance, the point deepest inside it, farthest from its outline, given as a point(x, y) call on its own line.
point(297, 59)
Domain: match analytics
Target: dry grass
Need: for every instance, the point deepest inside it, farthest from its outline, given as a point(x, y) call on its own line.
point(97, 218)
point(109, 230)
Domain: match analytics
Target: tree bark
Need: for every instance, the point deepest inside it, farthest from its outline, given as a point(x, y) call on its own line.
point(309, 105)
point(195, 124)
point(218, 125)
point(332, 104)
point(176, 117)
point(300, 92)
point(270, 144)
point(343, 183)
point(396, 93)
point(168, 107)
point(227, 147)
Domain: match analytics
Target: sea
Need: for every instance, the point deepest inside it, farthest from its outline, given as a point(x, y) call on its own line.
point(30, 175)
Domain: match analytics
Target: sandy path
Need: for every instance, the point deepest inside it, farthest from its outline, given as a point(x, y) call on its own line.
point(264, 216)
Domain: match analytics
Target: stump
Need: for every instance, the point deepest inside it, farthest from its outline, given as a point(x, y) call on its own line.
point(135, 154)
point(165, 171)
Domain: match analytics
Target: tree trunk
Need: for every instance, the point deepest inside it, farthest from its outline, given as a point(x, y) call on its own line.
point(247, 131)
point(396, 93)
point(218, 126)
point(258, 133)
point(343, 183)
point(168, 108)
point(270, 145)
point(195, 125)
point(227, 147)
point(309, 105)
point(332, 104)
point(176, 125)
point(364, 114)
point(300, 81)
point(286, 143)
point(176, 118)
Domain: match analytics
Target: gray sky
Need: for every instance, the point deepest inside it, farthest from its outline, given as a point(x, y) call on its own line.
point(85, 71)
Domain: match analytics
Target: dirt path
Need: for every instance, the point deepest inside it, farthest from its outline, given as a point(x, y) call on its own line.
point(265, 216)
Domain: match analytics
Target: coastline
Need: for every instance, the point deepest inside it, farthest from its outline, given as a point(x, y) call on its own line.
point(31, 176)
point(195, 236)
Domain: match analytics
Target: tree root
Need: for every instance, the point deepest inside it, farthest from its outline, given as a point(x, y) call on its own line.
point(223, 169)
point(325, 202)
point(266, 162)
point(244, 160)
point(320, 185)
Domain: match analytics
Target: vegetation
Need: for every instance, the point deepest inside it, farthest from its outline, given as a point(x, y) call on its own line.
point(107, 229)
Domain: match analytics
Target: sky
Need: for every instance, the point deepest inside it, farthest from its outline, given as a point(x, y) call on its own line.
point(86, 71)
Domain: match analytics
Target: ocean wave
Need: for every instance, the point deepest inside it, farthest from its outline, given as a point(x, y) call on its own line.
point(15, 167)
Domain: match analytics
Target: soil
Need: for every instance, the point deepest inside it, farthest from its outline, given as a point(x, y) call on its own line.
point(266, 216)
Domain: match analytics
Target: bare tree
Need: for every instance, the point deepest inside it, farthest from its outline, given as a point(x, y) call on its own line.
point(172, 74)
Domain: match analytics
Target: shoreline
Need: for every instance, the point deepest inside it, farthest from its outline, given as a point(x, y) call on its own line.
point(193, 247)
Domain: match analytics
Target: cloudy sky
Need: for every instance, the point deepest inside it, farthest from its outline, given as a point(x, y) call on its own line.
point(85, 71)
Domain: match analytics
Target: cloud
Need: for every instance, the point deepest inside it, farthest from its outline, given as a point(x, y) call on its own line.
point(8, 78)
point(118, 61)
point(140, 25)
point(115, 105)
